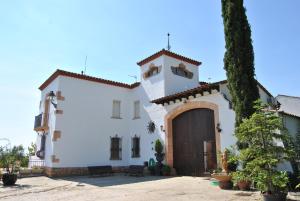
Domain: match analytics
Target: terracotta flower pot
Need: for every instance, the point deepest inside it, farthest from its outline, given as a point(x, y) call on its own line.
point(244, 185)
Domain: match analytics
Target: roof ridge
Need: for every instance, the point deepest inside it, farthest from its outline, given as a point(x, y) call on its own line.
point(170, 54)
point(288, 96)
point(59, 72)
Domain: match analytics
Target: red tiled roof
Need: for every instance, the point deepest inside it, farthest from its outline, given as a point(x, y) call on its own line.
point(185, 94)
point(170, 54)
point(86, 77)
point(259, 84)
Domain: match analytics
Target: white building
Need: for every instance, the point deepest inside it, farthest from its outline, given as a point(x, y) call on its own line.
point(95, 122)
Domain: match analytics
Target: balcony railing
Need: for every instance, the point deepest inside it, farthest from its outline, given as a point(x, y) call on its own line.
point(41, 122)
point(38, 121)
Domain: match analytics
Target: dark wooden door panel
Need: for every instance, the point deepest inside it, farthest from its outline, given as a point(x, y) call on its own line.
point(190, 130)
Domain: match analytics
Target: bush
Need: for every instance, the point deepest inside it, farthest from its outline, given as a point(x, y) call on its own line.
point(260, 133)
point(239, 176)
point(233, 161)
point(158, 146)
point(166, 170)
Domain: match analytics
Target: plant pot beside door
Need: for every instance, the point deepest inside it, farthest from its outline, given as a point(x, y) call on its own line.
point(242, 179)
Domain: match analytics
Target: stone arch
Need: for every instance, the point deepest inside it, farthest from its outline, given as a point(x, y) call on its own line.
point(181, 109)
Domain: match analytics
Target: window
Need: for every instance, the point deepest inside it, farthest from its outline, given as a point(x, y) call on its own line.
point(182, 71)
point(136, 108)
point(135, 147)
point(115, 148)
point(116, 111)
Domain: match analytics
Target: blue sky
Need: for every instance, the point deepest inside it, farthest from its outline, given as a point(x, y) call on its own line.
point(37, 37)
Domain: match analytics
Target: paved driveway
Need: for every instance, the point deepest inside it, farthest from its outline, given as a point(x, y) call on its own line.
point(120, 188)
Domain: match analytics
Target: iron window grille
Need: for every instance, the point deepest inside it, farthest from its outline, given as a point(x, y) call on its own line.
point(135, 147)
point(115, 148)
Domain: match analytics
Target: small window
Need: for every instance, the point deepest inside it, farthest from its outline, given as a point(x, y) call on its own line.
point(115, 148)
point(116, 111)
point(135, 147)
point(136, 108)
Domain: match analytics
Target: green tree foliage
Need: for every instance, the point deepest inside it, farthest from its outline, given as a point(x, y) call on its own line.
point(158, 147)
point(32, 149)
point(12, 159)
point(265, 149)
point(239, 59)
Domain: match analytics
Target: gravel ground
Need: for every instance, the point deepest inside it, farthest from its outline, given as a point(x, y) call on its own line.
point(123, 188)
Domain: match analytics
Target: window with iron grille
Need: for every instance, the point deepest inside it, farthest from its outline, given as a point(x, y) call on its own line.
point(135, 147)
point(115, 148)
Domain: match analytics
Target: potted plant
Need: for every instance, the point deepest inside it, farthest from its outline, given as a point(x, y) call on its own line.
point(10, 161)
point(233, 161)
point(264, 151)
point(166, 170)
point(241, 179)
point(159, 156)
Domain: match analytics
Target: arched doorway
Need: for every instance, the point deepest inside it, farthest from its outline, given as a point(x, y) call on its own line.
point(194, 147)
point(192, 139)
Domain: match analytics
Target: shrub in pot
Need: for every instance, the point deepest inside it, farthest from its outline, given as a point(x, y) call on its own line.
point(233, 161)
point(166, 170)
point(159, 155)
point(10, 160)
point(264, 149)
point(241, 179)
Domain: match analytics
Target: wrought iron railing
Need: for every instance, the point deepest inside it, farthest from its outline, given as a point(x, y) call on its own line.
point(36, 163)
point(38, 121)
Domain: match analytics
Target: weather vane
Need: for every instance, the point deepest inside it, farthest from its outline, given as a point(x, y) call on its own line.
point(168, 47)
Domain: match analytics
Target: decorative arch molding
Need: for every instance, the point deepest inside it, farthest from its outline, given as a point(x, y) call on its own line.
point(153, 70)
point(181, 109)
point(182, 71)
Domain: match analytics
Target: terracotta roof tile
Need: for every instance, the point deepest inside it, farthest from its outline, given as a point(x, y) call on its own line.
point(86, 77)
point(185, 94)
point(170, 54)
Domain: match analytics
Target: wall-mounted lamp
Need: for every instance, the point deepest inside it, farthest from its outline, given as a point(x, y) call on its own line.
point(52, 96)
point(219, 129)
point(162, 128)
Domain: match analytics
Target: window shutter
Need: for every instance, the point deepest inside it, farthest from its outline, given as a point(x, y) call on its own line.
point(136, 109)
point(116, 109)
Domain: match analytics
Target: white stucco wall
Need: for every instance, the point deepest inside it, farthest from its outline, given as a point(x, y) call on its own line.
point(175, 83)
point(53, 86)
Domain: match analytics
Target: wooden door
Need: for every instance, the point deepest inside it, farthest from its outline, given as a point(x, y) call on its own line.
point(190, 130)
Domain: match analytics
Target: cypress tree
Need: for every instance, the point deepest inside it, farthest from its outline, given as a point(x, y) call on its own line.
point(239, 59)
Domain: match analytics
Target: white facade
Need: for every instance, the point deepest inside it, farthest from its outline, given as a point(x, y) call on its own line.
point(86, 123)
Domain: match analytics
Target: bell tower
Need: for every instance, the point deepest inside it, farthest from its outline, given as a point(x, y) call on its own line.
point(165, 73)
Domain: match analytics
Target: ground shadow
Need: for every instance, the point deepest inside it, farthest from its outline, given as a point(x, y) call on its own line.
point(114, 180)
point(16, 186)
